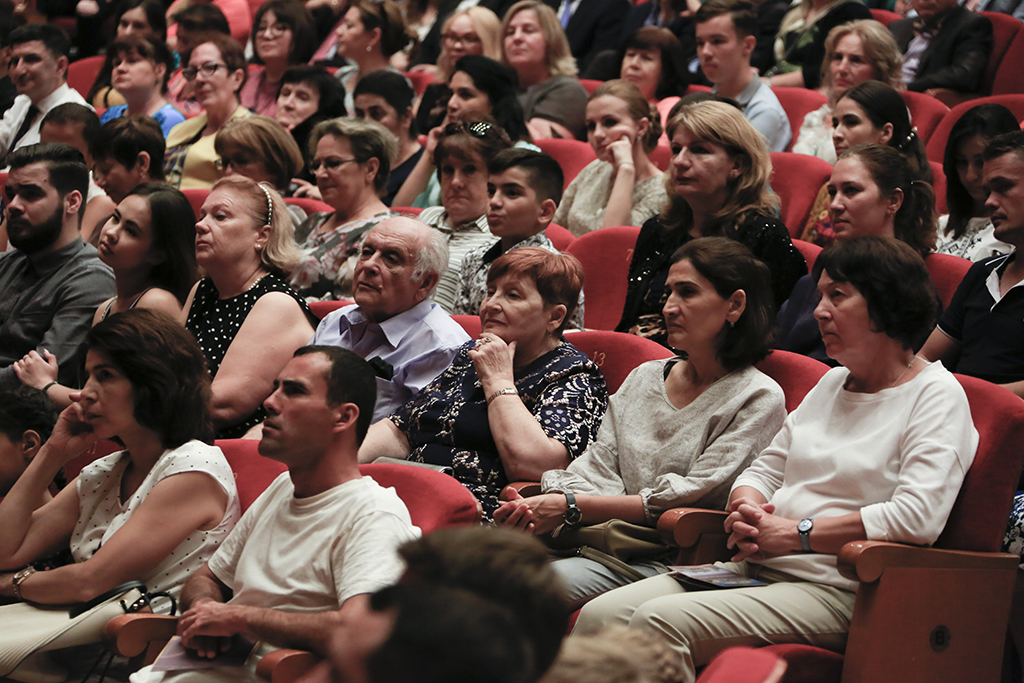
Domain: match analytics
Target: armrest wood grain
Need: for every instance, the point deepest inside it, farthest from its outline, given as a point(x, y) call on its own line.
point(285, 666)
point(867, 560)
point(683, 527)
point(130, 634)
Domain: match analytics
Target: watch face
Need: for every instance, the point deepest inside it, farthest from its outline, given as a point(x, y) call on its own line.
point(573, 516)
point(804, 526)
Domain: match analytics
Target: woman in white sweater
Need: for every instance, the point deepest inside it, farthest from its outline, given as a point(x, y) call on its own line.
point(678, 431)
point(877, 450)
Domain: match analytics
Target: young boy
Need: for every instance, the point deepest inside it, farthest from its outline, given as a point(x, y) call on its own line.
point(127, 152)
point(525, 189)
point(27, 417)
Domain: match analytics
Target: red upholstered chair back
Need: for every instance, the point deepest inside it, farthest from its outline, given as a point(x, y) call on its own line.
point(559, 236)
point(884, 16)
point(322, 308)
point(939, 185)
point(470, 323)
point(605, 255)
point(947, 272)
point(1009, 77)
point(808, 250)
point(797, 179)
point(936, 146)
point(798, 103)
point(309, 205)
point(742, 665)
point(571, 155)
point(253, 472)
point(82, 73)
point(925, 112)
point(979, 516)
point(435, 500)
point(196, 197)
point(616, 353)
point(1005, 29)
point(590, 85)
point(796, 374)
point(661, 156)
point(420, 80)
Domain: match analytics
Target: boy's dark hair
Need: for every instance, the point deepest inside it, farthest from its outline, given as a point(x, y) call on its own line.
point(72, 112)
point(744, 16)
point(53, 37)
point(25, 408)
point(122, 139)
point(203, 17)
point(65, 164)
point(543, 173)
point(351, 380)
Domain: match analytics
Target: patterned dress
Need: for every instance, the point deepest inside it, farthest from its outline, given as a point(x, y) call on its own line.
point(329, 259)
point(447, 423)
point(215, 322)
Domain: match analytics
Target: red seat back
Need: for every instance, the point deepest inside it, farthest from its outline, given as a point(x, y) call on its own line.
point(571, 155)
point(1009, 76)
point(796, 374)
point(420, 80)
point(925, 112)
point(470, 323)
point(798, 103)
point(884, 16)
point(605, 255)
point(661, 156)
point(939, 185)
point(322, 308)
point(797, 179)
point(590, 85)
point(616, 353)
point(82, 73)
point(309, 205)
point(253, 472)
point(1005, 29)
point(808, 250)
point(936, 146)
point(435, 500)
point(414, 210)
point(947, 272)
point(73, 467)
point(196, 197)
point(559, 236)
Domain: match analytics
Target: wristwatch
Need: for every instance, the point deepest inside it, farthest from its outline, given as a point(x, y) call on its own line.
point(804, 529)
point(18, 578)
point(572, 515)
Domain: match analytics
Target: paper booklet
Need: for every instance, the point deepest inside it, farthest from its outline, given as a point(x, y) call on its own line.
point(710, 577)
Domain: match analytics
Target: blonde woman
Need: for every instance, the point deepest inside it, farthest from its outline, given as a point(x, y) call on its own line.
point(622, 186)
point(717, 186)
point(855, 52)
point(800, 42)
point(534, 44)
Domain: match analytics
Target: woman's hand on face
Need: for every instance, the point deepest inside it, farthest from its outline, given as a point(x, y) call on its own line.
point(36, 371)
point(621, 152)
point(306, 189)
point(432, 137)
point(492, 358)
point(72, 434)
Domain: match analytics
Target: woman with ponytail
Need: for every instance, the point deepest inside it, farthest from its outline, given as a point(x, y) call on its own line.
point(622, 186)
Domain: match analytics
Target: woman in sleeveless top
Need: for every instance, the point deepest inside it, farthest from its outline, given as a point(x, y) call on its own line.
point(148, 242)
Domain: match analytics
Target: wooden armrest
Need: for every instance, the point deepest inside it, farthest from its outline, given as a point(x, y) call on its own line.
point(526, 488)
point(866, 560)
point(285, 666)
point(683, 527)
point(130, 634)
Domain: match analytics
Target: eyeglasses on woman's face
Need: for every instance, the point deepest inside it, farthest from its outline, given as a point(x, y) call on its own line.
point(272, 30)
point(236, 162)
point(465, 39)
point(207, 70)
point(330, 163)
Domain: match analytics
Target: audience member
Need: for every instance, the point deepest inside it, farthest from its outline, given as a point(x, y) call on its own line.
point(788, 517)
point(372, 31)
point(717, 186)
point(217, 71)
point(651, 58)
point(946, 47)
point(536, 47)
point(38, 66)
point(423, 20)
point(141, 67)
point(515, 403)
point(196, 24)
point(388, 98)
point(352, 162)
point(855, 52)
point(307, 96)
point(591, 27)
point(726, 37)
point(127, 152)
point(872, 192)
point(26, 421)
point(678, 431)
point(138, 18)
point(461, 156)
point(674, 16)
point(237, 15)
point(154, 512)
point(149, 243)
point(872, 113)
point(622, 186)
point(246, 318)
point(525, 188)
point(408, 339)
point(282, 36)
point(800, 42)
point(52, 280)
point(320, 537)
point(967, 230)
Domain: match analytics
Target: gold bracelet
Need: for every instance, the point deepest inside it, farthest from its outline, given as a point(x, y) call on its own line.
point(501, 392)
point(20, 577)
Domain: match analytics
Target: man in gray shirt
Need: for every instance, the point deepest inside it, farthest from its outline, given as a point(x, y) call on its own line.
point(51, 282)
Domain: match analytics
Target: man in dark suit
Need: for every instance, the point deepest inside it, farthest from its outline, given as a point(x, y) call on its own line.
point(945, 47)
point(591, 25)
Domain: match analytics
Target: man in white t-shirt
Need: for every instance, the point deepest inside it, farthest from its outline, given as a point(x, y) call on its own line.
point(319, 535)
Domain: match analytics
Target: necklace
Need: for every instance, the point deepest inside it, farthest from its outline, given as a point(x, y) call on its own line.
point(909, 365)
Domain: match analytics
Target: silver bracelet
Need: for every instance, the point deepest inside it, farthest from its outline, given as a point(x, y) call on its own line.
point(501, 392)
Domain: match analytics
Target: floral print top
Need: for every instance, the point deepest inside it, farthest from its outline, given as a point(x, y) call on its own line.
point(329, 258)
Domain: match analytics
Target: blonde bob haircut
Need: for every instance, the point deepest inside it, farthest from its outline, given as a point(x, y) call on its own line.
point(263, 138)
point(557, 55)
point(636, 105)
point(879, 47)
point(280, 255)
point(487, 26)
point(725, 125)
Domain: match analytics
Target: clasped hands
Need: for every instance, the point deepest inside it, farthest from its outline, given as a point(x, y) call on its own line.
point(757, 533)
point(208, 627)
point(535, 515)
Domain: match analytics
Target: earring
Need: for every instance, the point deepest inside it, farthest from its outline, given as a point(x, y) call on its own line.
point(369, 48)
point(732, 324)
point(259, 247)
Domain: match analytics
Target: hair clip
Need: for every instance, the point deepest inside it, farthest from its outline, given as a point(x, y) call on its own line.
point(270, 204)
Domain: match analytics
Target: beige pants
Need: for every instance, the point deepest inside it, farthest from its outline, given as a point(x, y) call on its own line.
point(700, 624)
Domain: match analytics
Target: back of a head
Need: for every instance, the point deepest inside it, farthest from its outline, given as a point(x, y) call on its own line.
point(25, 408)
point(263, 138)
point(123, 139)
point(387, 16)
point(53, 37)
point(72, 112)
point(203, 17)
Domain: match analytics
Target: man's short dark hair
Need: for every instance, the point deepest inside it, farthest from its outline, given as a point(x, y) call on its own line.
point(506, 567)
point(26, 408)
point(1005, 144)
point(894, 281)
point(72, 112)
point(203, 17)
point(543, 173)
point(122, 139)
point(53, 37)
point(7, 25)
point(350, 380)
point(65, 164)
point(744, 16)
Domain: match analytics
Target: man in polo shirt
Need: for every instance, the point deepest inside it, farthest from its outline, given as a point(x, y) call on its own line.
point(51, 281)
point(981, 333)
point(726, 38)
point(39, 68)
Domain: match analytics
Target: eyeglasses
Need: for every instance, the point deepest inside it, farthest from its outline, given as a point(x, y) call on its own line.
point(331, 164)
point(468, 39)
point(238, 162)
point(478, 129)
point(208, 69)
point(273, 30)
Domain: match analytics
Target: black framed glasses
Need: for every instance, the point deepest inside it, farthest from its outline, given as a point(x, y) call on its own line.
point(208, 69)
point(272, 30)
point(478, 129)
